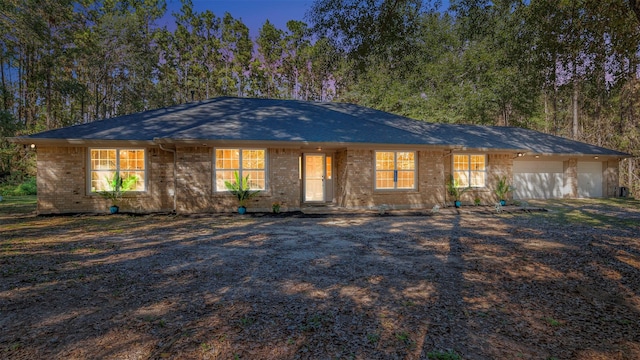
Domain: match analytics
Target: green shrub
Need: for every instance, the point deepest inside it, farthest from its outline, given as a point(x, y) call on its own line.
point(28, 187)
point(442, 355)
point(6, 190)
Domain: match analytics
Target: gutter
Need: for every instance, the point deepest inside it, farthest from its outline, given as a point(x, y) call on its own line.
point(175, 174)
point(26, 140)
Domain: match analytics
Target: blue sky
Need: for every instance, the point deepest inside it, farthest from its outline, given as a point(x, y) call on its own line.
point(252, 12)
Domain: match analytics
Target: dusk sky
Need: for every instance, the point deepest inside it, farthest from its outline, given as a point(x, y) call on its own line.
point(252, 12)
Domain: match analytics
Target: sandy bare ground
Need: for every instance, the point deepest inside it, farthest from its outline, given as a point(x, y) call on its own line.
point(476, 285)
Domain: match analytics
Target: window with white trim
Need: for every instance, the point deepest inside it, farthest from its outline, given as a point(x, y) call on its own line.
point(247, 162)
point(395, 170)
point(470, 170)
point(106, 164)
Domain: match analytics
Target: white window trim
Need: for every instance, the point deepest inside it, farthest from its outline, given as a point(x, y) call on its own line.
point(395, 165)
point(118, 149)
point(453, 170)
point(266, 166)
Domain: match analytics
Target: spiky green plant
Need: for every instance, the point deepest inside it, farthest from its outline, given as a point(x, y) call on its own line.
point(503, 188)
point(118, 186)
point(241, 189)
point(454, 189)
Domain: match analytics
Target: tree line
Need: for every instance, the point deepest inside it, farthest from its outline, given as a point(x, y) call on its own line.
point(565, 67)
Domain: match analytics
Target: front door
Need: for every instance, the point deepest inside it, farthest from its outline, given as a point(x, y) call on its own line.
point(314, 178)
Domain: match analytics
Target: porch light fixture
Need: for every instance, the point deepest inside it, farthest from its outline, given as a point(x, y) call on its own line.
point(520, 154)
point(33, 146)
point(595, 157)
point(537, 156)
point(319, 148)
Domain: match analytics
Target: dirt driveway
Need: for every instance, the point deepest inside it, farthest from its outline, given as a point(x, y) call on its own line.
point(475, 285)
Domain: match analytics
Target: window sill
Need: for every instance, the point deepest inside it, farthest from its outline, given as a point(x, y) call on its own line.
point(130, 195)
point(262, 193)
point(395, 191)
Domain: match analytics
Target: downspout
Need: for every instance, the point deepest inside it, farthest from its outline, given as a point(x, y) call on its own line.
point(175, 176)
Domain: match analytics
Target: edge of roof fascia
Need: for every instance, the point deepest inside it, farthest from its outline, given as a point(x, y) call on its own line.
point(26, 140)
point(620, 155)
point(301, 143)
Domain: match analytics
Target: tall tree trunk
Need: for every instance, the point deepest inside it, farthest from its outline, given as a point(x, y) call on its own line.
point(546, 112)
point(505, 115)
point(48, 99)
point(574, 102)
point(5, 92)
point(554, 109)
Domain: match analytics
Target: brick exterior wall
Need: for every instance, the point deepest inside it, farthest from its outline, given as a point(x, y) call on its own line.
point(570, 178)
point(284, 180)
point(194, 178)
point(610, 178)
point(160, 182)
point(62, 186)
point(60, 180)
point(432, 177)
point(196, 191)
point(497, 166)
point(355, 182)
point(340, 176)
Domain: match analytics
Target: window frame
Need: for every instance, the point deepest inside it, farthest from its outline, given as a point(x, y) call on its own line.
point(240, 169)
point(395, 170)
point(469, 170)
point(90, 169)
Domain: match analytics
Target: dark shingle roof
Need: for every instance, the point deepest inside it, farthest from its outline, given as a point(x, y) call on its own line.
point(227, 118)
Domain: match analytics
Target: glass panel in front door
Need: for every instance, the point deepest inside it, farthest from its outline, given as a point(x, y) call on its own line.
point(314, 178)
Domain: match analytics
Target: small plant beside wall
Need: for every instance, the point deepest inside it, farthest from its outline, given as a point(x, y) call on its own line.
point(502, 189)
point(117, 186)
point(275, 207)
point(455, 190)
point(443, 355)
point(241, 189)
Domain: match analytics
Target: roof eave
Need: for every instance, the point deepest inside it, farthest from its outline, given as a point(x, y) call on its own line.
point(594, 156)
point(294, 143)
point(26, 140)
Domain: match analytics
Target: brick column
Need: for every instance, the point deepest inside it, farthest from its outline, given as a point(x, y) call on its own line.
point(195, 177)
point(570, 179)
point(611, 178)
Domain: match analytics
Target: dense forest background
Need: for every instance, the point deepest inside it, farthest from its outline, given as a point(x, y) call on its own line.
point(565, 67)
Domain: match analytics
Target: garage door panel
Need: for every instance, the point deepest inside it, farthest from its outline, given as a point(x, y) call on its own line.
point(538, 179)
point(538, 185)
point(589, 179)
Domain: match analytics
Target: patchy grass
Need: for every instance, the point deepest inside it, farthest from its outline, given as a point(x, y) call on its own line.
point(443, 355)
point(601, 213)
point(552, 322)
point(18, 205)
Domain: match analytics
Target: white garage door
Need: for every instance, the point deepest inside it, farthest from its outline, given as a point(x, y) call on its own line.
point(538, 179)
point(589, 179)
